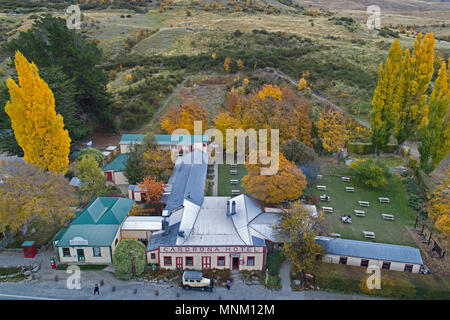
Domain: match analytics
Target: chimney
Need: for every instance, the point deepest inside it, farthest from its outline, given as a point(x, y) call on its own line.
point(228, 209)
point(233, 207)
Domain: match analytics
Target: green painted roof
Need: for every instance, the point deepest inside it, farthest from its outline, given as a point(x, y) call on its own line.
point(98, 222)
point(183, 139)
point(131, 138)
point(27, 244)
point(118, 164)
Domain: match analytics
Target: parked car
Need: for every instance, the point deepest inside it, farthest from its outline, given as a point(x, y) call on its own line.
point(195, 280)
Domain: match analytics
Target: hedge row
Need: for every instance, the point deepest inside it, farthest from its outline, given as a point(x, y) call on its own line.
point(368, 148)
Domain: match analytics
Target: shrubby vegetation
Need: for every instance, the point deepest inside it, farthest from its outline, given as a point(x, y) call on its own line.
point(371, 173)
point(122, 259)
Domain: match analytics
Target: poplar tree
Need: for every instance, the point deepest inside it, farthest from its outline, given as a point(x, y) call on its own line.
point(410, 107)
point(436, 135)
point(38, 129)
point(382, 116)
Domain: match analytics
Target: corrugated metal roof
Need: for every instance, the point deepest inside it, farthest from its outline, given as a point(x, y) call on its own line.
point(181, 139)
point(142, 223)
point(98, 222)
point(159, 238)
point(118, 164)
point(131, 138)
point(188, 179)
point(370, 250)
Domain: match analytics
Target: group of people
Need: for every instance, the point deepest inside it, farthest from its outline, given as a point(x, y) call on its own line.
point(346, 219)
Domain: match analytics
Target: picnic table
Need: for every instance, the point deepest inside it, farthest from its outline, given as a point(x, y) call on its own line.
point(369, 234)
point(387, 216)
point(327, 209)
point(234, 181)
point(346, 219)
point(345, 179)
point(364, 203)
point(324, 197)
point(350, 189)
point(233, 166)
point(323, 188)
point(335, 235)
point(233, 171)
point(235, 192)
point(384, 200)
point(360, 213)
point(319, 176)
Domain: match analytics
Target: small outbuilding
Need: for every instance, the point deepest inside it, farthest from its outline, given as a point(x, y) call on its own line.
point(29, 249)
point(115, 171)
point(364, 253)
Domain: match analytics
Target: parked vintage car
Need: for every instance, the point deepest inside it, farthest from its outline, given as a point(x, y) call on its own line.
point(195, 280)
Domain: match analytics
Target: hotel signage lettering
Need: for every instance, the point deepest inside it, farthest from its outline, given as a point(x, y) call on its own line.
point(231, 250)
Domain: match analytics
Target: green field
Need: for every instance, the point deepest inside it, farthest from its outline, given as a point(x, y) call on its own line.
point(345, 202)
point(224, 187)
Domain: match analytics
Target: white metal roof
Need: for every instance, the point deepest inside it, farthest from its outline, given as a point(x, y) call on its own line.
point(142, 223)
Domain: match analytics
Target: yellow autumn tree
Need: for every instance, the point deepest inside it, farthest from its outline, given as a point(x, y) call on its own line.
point(288, 183)
point(183, 117)
point(302, 84)
point(410, 107)
point(240, 64)
point(439, 204)
point(226, 64)
point(269, 90)
point(38, 129)
point(213, 55)
point(332, 130)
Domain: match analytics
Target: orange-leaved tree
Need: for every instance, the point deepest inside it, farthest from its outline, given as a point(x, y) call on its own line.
point(288, 183)
point(183, 117)
point(153, 189)
point(332, 130)
point(38, 129)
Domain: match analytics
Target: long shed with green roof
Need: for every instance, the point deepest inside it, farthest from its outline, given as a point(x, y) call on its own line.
point(93, 236)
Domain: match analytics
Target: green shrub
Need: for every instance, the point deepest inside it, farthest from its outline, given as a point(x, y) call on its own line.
point(274, 261)
point(412, 162)
point(122, 259)
point(370, 172)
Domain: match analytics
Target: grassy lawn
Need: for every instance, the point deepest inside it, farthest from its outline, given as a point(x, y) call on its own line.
point(9, 270)
point(350, 279)
point(390, 161)
point(345, 202)
point(83, 266)
point(224, 187)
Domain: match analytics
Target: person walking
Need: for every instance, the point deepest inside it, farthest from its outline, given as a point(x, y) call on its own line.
point(228, 284)
point(96, 290)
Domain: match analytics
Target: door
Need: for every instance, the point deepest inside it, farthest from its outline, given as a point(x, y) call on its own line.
point(206, 262)
point(80, 254)
point(235, 265)
point(179, 262)
point(108, 176)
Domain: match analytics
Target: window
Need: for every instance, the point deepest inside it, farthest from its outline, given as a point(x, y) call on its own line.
point(220, 261)
point(189, 261)
point(364, 263)
point(66, 252)
point(250, 261)
point(408, 267)
point(343, 260)
point(152, 256)
point(97, 252)
point(386, 265)
point(167, 261)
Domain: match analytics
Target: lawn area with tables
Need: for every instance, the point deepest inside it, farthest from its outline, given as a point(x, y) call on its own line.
point(343, 203)
point(224, 185)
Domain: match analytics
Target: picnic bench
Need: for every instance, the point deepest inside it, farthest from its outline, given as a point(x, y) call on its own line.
point(369, 234)
point(319, 176)
point(234, 181)
point(235, 192)
point(233, 166)
point(335, 235)
point(364, 203)
point(325, 198)
point(345, 179)
point(350, 189)
point(327, 209)
point(387, 216)
point(323, 188)
point(384, 200)
point(360, 213)
point(233, 171)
